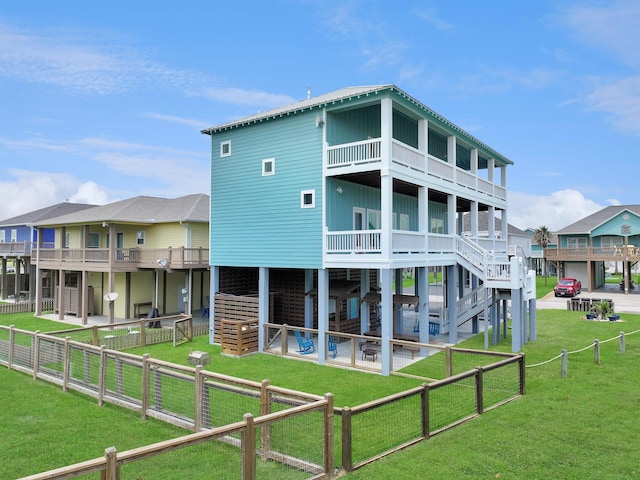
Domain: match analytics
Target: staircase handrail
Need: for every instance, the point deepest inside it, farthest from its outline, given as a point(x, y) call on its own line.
point(472, 252)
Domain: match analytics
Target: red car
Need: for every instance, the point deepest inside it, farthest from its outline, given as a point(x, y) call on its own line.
point(567, 287)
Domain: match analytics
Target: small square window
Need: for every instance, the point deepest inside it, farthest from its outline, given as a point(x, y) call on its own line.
point(308, 199)
point(268, 166)
point(225, 149)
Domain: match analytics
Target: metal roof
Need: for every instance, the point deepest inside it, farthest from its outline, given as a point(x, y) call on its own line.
point(347, 94)
point(587, 224)
point(140, 210)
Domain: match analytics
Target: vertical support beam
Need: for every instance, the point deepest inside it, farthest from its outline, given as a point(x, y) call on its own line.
point(308, 299)
point(84, 289)
point(38, 287)
point(213, 288)
point(365, 286)
point(533, 330)
point(386, 329)
point(423, 310)
point(516, 319)
point(452, 302)
point(263, 304)
point(323, 313)
point(61, 305)
point(398, 321)
point(386, 215)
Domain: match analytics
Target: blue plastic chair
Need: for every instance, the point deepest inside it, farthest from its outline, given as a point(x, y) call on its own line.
point(305, 345)
point(333, 346)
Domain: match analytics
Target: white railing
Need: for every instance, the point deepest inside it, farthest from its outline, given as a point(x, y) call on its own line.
point(354, 241)
point(465, 178)
point(407, 156)
point(439, 168)
point(485, 186)
point(440, 243)
point(408, 242)
point(472, 252)
point(354, 153)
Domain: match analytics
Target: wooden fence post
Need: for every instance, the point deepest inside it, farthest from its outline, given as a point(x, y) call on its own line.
point(145, 386)
point(35, 350)
point(564, 363)
point(95, 341)
point(265, 409)
point(425, 411)
point(596, 351)
point(622, 344)
point(249, 449)
point(12, 343)
point(479, 391)
point(199, 406)
point(347, 445)
point(523, 369)
point(66, 365)
point(449, 357)
point(329, 460)
point(102, 375)
point(111, 471)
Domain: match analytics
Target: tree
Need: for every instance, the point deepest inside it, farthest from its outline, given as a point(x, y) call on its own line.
point(542, 237)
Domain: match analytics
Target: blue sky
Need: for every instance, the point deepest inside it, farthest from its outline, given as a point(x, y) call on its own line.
point(101, 101)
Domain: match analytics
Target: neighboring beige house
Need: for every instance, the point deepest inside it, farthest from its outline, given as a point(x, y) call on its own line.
point(152, 252)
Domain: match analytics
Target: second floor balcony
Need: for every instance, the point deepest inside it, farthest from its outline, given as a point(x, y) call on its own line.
point(605, 254)
point(366, 155)
point(121, 259)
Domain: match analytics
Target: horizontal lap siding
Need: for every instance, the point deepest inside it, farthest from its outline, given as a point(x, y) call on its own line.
point(257, 220)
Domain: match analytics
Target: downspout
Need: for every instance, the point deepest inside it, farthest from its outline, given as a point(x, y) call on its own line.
point(188, 242)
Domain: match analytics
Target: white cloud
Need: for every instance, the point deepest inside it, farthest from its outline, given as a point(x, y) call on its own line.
point(245, 97)
point(555, 211)
point(620, 101)
point(26, 191)
point(611, 27)
point(190, 122)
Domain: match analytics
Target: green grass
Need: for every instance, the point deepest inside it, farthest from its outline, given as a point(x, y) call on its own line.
point(578, 427)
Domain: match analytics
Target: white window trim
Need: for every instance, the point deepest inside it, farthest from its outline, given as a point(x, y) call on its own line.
point(222, 145)
point(140, 236)
point(265, 162)
point(303, 193)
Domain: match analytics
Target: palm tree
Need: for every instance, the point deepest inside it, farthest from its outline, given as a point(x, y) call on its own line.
point(542, 237)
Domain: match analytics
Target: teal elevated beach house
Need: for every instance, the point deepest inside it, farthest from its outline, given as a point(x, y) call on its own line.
point(320, 207)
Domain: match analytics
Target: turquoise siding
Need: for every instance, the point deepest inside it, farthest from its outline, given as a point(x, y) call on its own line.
point(340, 205)
point(257, 220)
point(353, 125)
point(616, 226)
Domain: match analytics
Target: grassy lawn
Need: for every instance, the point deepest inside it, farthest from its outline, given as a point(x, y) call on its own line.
point(578, 427)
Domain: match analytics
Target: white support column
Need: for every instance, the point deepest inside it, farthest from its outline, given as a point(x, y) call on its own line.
point(473, 220)
point(38, 311)
point(263, 304)
point(451, 214)
point(516, 319)
point(503, 226)
point(323, 312)
point(386, 329)
point(451, 150)
point(474, 162)
point(213, 289)
point(84, 288)
point(491, 222)
point(386, 221)
point(423, 136)
point(422, 277)
point(452, 302)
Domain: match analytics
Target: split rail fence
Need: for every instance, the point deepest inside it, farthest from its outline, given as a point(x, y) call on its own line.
point(294, 429)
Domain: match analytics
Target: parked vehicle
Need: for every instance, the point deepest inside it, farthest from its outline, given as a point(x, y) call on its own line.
point(567, 287)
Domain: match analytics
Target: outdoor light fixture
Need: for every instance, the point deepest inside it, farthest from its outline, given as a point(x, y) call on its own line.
point(319, 121)
point(339, 189)
point(163, 262)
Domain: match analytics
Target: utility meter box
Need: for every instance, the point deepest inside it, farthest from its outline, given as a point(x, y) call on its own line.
point(199, 358)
